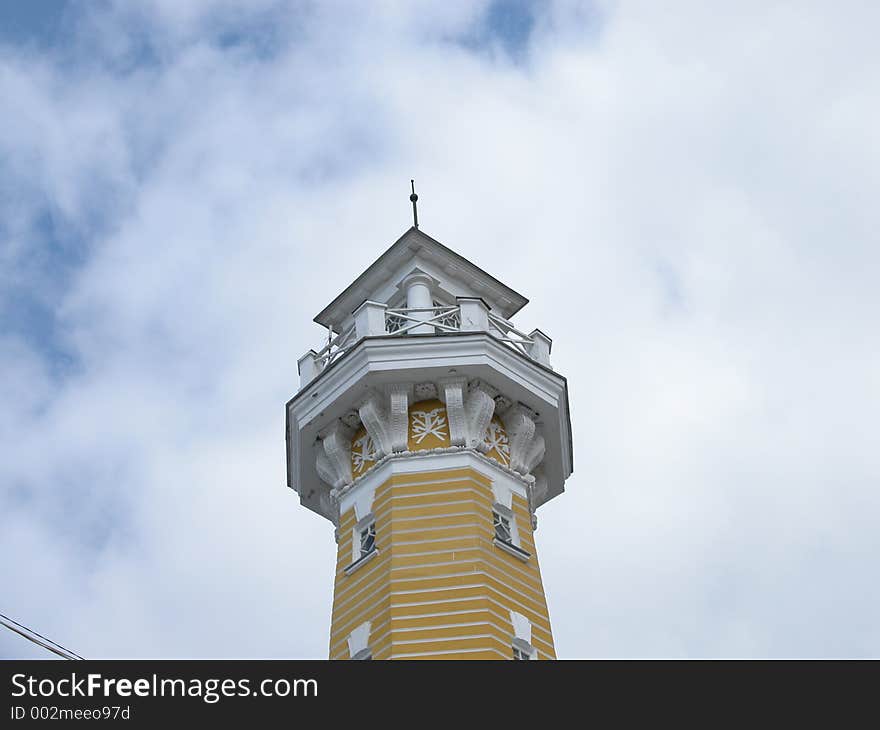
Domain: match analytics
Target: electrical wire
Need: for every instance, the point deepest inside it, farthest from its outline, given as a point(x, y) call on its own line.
point(38, 638)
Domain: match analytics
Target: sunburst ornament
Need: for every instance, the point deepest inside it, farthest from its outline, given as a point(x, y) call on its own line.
point(363, 453)
point(496, 442)
point(428, 425)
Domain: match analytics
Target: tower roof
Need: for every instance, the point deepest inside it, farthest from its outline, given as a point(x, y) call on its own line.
point(455, 273)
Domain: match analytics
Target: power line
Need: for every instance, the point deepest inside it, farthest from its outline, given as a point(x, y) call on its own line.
point(38, 638)
point(36, 641)
point(43, 641)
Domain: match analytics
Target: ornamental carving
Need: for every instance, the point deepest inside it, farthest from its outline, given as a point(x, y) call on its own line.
point(496, 444)
point(428, 426)
point(363, 453)
point(468, 415)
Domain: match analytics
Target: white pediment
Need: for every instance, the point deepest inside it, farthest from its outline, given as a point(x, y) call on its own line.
point(452, 276)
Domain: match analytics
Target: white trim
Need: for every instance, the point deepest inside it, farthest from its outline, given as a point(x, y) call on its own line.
point(362, 524)
point(362, 500)
point(456, 651)
point(506, 511)
point(514, 550)
point(356, 597)
point(432, 627)
point(503, 612)
point(425, 518)
point(502, 601)
point(360, 562)
point(530, 651)
point(512, 573)
point(457, 503)
point(522, 635)
point(419, 530)
point(505, 483)
point(473, 486)
point(483, 552)
point(380, 632)
point(522, 627)
point(359, 641)
point(352, 616)
point(400, 355)
point(431, 640)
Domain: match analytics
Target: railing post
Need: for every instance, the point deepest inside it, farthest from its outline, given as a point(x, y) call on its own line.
point(474, 314)
point(369, 319)
point(308, 368)
point(540, 348)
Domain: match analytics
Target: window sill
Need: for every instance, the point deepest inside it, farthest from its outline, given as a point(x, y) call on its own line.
point(361, 561)
point(509, 547)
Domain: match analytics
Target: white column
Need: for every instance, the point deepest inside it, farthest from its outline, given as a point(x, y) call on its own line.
point(418, 296)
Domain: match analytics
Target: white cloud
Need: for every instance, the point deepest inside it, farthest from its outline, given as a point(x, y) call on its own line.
point(686, 197)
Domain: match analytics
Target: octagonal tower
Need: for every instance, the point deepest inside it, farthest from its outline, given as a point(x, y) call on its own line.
point(429, 430)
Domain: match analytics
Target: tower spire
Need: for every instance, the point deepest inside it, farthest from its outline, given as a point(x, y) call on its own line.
point(415, 199)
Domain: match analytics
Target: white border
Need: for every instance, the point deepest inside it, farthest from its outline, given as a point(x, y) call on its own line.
point(504, 481)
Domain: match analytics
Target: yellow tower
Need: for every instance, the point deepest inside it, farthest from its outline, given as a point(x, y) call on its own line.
point(429, 430)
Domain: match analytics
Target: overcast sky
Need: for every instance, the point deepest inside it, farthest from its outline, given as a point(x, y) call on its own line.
point(686, 191)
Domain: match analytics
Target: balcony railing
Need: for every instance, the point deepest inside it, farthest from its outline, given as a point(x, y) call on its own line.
point(336, 347)
point(468, 315)
point(442, 319)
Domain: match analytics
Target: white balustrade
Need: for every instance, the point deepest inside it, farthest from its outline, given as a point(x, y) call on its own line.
point(506, 332)
point(469, 314)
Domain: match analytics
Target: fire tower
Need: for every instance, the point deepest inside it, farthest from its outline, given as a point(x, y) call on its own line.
point(429, 430)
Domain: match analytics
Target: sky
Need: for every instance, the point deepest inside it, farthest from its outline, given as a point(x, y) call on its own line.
point(686, 192)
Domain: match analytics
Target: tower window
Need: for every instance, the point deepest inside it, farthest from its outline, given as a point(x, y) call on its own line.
point(502, 527)
point(523, 651)
point(368, 539)
point(506, 535)
point(363, 543)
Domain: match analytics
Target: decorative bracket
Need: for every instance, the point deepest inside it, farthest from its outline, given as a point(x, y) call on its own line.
point(374, 416)
point(333, 461)
point(470, 408)
point(399, 399)
point(526, 443)
point(469, 412)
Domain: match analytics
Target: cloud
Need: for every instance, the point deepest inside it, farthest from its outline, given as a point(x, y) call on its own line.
point(686, 198)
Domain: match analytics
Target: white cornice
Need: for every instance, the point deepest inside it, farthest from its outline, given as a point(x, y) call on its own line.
point(428, 354)
point(385, 361)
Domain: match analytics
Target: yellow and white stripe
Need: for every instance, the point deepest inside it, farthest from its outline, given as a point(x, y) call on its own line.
point(439, 588)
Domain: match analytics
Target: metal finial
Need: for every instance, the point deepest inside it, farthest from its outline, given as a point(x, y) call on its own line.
point(414, 198)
